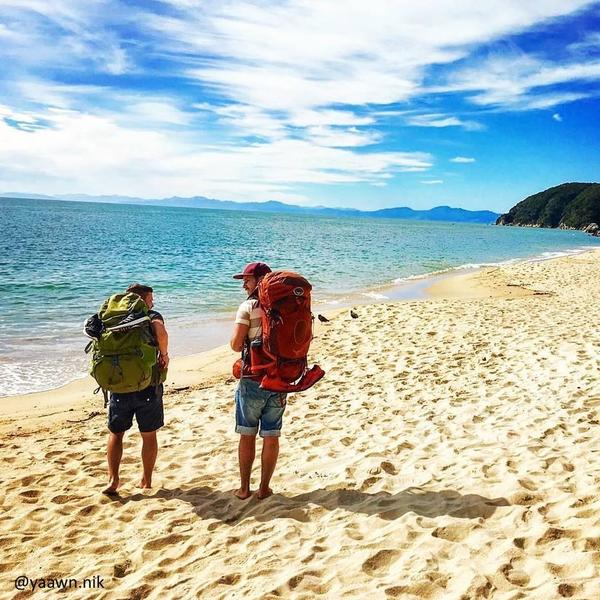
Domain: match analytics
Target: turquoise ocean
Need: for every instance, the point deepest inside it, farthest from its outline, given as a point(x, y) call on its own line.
point(60, 260)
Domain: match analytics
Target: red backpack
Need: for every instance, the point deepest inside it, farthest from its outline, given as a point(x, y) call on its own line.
point(284, 297)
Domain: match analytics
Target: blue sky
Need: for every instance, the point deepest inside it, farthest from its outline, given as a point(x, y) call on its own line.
point(314, 102)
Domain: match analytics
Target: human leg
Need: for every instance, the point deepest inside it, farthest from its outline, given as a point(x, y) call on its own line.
point(268, 460)
point(114, 452)
point(149, 414)
point(120, 418)
point(247, 413)
point(270, 429)
point(149, 454)
point(246, 454)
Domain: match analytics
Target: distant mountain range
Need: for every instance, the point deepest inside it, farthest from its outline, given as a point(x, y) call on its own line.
point(439, 213)
point(567, 206)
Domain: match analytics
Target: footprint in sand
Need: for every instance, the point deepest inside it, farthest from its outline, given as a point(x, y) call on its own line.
point(404, 446)
point(120, 570)
point(88, 511)
point(53, 453)
point(397, 591)
point(367, 483)
point(452, 533)
point(567, 590)
point(591, 544)
point(168, 540)
point(30, 494)
point(229, 579)
point(552, 534)
point(380, 562)
point(525, 499)
point(389, 468)
point(28, 538)
point(313, 584)
point(294, 582)
point(143, 591)
point(298, 514)
point(528, 484)
point(64, 498)
point(25, 481)
point(518, 578)
point(152, 514)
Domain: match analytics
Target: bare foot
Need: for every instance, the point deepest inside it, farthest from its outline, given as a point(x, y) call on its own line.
point(111, 489)
point(145, 485)
point(242, 494)
point(262, 494)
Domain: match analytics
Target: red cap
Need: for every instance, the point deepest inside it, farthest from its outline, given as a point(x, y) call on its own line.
point(255, 269)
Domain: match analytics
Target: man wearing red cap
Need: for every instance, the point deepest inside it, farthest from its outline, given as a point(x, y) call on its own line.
point(253, 405)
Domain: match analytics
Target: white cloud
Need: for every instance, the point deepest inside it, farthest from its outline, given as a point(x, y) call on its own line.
point(65, 34)
point(590, 42)
point(307, 118)
point(243, 120)
point(144, 110)
point(329, 136)
point(440, 120)
point(47, 94)
point(432, 181)
point(116, 61)
point(462, 159)
point(519, 81)
point(546, 100)
point(149, 112)
point(96, 154)
point(8, 35)
point(305, 55)
point(291, 92)
point(557, 117)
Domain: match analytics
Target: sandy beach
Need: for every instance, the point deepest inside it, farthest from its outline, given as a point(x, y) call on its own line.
point(451, 452)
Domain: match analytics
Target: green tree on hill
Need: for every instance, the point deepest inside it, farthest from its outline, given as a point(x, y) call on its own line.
point(570, 204)
point(584, 209)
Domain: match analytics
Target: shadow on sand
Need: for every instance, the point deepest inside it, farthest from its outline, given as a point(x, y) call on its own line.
point(223, 506)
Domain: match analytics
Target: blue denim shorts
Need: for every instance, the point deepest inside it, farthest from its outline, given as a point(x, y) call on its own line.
point(254, 406)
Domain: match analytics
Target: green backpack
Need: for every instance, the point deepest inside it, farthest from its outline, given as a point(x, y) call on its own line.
point(123, 351)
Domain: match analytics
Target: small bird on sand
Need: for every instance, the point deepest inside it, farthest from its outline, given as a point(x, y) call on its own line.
point(353, 314)
point(323, 319)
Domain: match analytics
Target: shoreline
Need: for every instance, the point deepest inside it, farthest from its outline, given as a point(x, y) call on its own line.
point(74, 392)
point(217, 327)
point(195, 369)
point(447, 453)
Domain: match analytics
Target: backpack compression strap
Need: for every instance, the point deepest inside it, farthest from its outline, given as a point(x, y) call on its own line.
point(104, 393)
point(276, 384)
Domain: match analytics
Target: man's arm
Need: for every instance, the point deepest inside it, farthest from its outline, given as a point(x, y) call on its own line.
point(240, 331)
point(162, 341)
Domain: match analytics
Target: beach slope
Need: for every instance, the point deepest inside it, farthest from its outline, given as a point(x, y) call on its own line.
point(450, 452)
